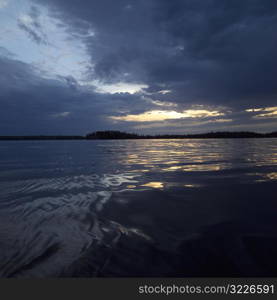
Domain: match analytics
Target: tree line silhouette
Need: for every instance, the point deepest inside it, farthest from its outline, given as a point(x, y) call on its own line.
point(117, 135)
point(110, 134)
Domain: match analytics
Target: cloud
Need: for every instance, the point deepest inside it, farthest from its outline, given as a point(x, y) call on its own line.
point(30, 23)
point(161, 115)
point(266, 112)
point(114, 63)
point(186, 123)
point(31, 104)
point(3, 3)
point(267, 115)
point(162, 103)
point(6, 53)
point(164, 92)
point(254, 109)
point(61, 115)
point(120, 87)
point(208, 51)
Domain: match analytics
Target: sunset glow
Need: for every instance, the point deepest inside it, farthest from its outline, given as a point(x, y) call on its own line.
point(161, 115)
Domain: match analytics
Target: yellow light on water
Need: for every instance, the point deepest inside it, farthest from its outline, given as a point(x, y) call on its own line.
point(155, 185)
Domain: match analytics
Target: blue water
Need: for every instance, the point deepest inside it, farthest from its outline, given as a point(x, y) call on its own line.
point(138, 208)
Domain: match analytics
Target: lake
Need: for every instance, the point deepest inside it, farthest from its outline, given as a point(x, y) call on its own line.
point(124, 208)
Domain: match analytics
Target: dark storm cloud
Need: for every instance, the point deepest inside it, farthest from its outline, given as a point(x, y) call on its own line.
point(26, 99)
point(31, 104)
point(219, 52)
point(233, 45)
point(5, 53)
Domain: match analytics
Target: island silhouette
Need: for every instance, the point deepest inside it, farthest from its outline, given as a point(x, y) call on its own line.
point(119, 135)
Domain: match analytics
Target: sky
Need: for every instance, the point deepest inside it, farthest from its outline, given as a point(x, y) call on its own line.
point(149, 67)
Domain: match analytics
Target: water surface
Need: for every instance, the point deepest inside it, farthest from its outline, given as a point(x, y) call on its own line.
point(138, 208)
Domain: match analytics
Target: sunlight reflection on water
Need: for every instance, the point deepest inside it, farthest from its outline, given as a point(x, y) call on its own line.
point(155, 185)
point(55, 195)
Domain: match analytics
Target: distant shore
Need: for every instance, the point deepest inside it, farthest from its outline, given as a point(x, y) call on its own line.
point(118, 135)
